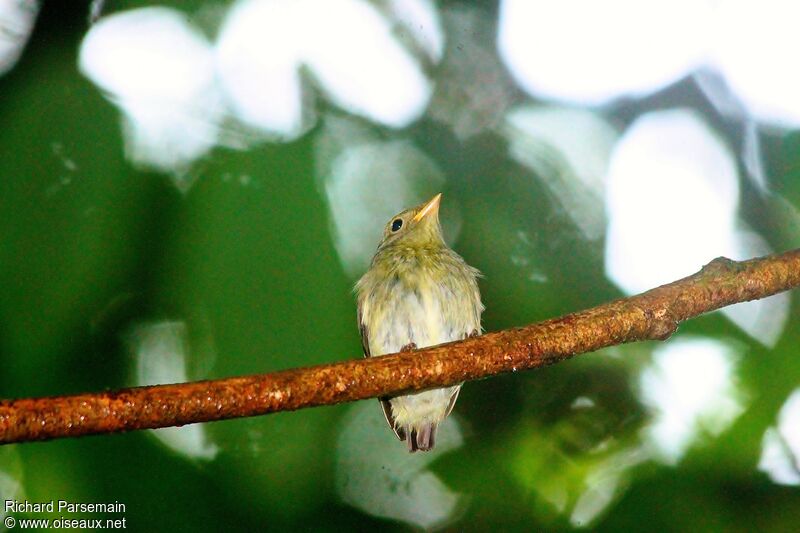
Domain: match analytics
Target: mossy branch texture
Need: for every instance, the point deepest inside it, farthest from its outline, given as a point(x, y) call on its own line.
point(653, 315)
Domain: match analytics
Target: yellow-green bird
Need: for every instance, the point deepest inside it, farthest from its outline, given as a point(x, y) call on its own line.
point(416, 293)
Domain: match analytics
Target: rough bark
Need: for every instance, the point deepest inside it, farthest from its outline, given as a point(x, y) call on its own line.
point(653, 315)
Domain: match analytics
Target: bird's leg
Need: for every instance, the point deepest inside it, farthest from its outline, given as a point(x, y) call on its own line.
point(474, 334)
point(410, 347)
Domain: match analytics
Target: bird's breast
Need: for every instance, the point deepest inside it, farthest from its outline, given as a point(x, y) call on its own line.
point(417, 310)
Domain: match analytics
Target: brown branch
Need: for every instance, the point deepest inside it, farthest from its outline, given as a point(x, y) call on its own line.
point(652, 315)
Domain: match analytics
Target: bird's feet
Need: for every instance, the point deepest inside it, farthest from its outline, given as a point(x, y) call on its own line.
point(475, 333)
point(410, 347)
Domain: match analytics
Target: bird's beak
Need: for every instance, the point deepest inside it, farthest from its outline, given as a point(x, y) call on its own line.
point(429, 209)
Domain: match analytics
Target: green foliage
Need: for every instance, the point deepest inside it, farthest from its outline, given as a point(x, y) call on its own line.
point(92, 248)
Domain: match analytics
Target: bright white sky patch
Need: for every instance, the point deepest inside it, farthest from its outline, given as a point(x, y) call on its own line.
point(158, 69)
point(593, 52)
point(348, 48)
point(375, 472)
point(780, 454)
point(672, 202)
point(672, 198)
point(421, 19)
point(691, 387)
point(755, 48)
point(161, 350)
point(569, 149)
point(257, 55)
point(16, 23)
point(174, 90)
point(368, 184)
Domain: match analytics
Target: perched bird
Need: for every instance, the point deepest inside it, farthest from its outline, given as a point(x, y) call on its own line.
point(416, 293)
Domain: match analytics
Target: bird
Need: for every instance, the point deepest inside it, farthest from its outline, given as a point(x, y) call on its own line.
point(417, 292)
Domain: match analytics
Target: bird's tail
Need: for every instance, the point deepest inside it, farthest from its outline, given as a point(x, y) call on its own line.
point(422, 438)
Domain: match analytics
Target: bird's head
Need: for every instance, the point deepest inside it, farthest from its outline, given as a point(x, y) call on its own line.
point(417, 227)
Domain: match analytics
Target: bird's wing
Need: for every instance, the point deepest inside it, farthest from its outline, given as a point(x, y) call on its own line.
point(387, 414)
point(452, 402)
point(362, 328)
point(385, 405)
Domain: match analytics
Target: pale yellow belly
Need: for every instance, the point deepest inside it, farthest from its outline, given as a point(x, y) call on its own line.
point(412, 318)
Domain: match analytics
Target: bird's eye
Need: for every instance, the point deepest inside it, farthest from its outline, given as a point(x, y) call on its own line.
point(396, 225)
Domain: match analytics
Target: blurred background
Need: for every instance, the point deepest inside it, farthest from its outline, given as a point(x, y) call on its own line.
point(189, 190)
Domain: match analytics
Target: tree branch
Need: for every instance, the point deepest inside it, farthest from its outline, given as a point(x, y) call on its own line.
point(649, 316)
